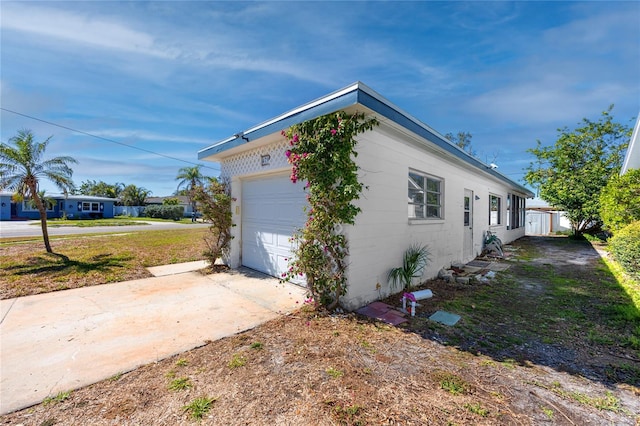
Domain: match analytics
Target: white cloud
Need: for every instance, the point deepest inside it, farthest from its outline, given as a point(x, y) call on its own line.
point(78, 28)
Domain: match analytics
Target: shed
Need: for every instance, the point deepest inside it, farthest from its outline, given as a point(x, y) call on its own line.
point(400, 161)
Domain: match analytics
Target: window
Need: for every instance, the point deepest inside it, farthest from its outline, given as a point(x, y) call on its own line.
point(495, 203)
point(30, 205)
point(90, 207)
point(515, 211)
point(467, 210)
point(425, 196)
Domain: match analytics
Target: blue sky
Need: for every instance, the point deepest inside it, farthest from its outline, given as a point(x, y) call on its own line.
point(174, 77)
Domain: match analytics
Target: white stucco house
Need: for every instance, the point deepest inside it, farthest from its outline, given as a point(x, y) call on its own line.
point(632, 158)
point(421, 188)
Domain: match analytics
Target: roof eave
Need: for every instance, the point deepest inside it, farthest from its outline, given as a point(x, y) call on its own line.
point(355, 94)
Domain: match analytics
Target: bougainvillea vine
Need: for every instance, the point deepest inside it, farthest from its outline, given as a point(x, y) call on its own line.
point(322, 154)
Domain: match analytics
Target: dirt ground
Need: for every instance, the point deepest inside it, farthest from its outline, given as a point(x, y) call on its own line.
point(492, 368)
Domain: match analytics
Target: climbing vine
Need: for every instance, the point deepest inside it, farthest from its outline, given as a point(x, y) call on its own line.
point(322, 154)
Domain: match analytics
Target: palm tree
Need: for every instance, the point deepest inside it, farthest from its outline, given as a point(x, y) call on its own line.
point(22, 167)
point(133, 195)
point(191, 177)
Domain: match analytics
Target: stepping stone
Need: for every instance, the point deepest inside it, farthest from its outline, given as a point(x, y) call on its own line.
point(445, 318)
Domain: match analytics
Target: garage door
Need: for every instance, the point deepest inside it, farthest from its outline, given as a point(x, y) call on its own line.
point(272, 209)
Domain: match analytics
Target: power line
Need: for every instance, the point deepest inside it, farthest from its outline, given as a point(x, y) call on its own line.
point(106, 139)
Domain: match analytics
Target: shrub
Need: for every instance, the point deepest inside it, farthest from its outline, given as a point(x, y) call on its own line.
point(625, 247)
point(164, 212)
point(619, 205)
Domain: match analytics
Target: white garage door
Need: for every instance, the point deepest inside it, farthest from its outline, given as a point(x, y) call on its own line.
point(272, 209)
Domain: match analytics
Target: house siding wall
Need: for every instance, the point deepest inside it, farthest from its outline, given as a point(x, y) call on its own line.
point(383, 230)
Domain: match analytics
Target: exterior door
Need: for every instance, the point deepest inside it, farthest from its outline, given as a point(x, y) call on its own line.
point(467, 243)
point(272, 211)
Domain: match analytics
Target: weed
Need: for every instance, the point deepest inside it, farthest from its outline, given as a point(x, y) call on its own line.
point(257, 346)
point(476, 408)
point(237, 361)
point(199, 407)
point(509, 363)
point(60, 397)
point(170, 374)
point(368, 345)
point(548, 412)
point(115, 377)
point(451, 383)
point(334, 372)
point(182, 362)
point(180, 384)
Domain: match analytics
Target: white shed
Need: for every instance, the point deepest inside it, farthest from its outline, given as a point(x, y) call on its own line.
point(397, 159)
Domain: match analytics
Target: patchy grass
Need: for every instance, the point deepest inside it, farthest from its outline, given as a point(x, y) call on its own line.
point(546, 344)
point(58, 398)
point(199, 407)
point(562, 307)
point(79, 261)
point(179, 384)
point(115, 221)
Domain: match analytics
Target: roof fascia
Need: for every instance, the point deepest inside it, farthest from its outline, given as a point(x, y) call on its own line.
point(357, 93)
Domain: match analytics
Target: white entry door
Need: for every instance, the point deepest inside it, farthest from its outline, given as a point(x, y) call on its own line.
point(272, 209)
point(468, 225)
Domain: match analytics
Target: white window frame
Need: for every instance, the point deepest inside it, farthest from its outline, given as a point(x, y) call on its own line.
point(91, 206)
point(424, 187)
point(495, 219)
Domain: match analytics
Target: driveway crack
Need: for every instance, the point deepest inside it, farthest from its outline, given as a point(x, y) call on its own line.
point(8, 310)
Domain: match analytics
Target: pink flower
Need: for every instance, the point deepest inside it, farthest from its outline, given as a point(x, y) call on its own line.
point(295, 138)
point(288, 153)
point(334, 131)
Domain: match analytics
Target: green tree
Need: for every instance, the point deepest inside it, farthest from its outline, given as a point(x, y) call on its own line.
point(133, 195)
point(620, 200)
point(571, 174)
point(23, 167)
point(191, 177)
point(215, 200)
point(100, 189)
point(170, 202)
point(463, 140)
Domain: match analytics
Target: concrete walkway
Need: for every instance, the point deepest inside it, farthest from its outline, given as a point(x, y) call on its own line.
point(69, 339)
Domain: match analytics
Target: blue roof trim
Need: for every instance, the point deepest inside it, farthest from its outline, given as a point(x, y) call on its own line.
point(359, 94)
point(324, 108)
point(399, 117)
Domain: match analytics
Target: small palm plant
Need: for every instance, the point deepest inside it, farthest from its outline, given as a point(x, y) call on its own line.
point(414, 261)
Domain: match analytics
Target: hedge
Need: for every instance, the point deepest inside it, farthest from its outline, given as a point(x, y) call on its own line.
point(625, 247)
point(164, 212)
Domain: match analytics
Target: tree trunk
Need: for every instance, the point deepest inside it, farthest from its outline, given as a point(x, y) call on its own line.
point(43, 220)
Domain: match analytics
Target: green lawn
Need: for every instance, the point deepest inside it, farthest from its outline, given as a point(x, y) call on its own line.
point(78, 261)
point(116, 221)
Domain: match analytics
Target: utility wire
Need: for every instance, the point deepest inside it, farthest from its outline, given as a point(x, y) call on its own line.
point(106, 139)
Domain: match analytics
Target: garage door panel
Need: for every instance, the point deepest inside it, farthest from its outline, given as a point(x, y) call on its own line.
point(272, 211)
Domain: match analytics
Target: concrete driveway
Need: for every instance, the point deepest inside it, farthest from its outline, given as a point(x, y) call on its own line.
point(69, 339)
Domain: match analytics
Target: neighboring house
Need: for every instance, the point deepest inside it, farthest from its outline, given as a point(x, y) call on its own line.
point(632, 159)
point(5, 205)
point(71, 206)
point(400, 160)
point(542, 219)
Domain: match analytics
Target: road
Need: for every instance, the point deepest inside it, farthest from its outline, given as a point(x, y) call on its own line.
point(31, 228)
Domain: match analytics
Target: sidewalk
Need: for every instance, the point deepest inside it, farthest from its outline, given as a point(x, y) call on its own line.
point(69, 339)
